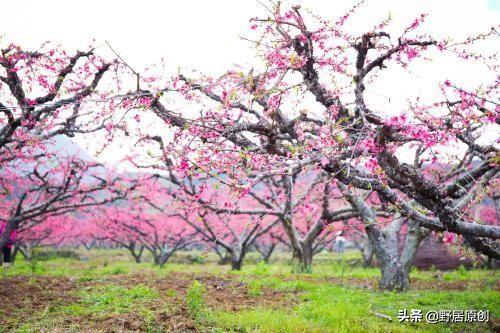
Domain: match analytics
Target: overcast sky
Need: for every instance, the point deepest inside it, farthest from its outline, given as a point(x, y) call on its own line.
point(206, 34)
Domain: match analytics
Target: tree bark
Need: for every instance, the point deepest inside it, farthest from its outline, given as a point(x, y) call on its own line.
point(396, 267)
point(27, 252)
point(367, 255)
point(236, 264)
point(225, 258)
point(156, 258)
point(303, 258)
point(267, 254)
point(162, 260)
point(366, 249)
point(394, 277)
point(237, 259)
point(14, 253)
point(10, 227)
point(137, 255)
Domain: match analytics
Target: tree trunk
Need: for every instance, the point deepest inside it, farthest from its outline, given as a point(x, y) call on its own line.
point(165, 255)
point(237, 260)
point(396, 267)
point(10, 227)
point(267, 255)
point(137, 255)
point(236, 264)
point(224, 259)
point(367, 253)
point(27, 252)
point(394, 277)
point(302, 259)
point(88, 247)
point(156, 258)
point(14, 254)
point(491, 263)
point(163, 259)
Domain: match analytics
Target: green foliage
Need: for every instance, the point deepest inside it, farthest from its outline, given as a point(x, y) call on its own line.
point(171, 293)
point(195, 302)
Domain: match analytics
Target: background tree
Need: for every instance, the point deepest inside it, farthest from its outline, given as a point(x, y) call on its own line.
point(45, 94)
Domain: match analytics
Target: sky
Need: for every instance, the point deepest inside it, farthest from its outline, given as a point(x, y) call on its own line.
point(205, 35)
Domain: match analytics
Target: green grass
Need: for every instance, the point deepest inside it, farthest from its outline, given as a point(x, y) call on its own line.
point(311, 303)
point(114, 262)
point(111, 299)
point(327, 308)
point(98, 302)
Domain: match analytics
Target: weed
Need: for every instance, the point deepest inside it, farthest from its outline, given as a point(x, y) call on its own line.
point(194, 299)
point(254, 288)
point(261, 268)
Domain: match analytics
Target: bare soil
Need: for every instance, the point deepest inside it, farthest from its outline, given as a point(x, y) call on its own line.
point(22, 296)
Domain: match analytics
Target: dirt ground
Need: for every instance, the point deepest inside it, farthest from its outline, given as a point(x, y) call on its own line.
point(35, 294)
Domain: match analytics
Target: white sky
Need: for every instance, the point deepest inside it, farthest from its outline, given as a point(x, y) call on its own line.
point(204, 35)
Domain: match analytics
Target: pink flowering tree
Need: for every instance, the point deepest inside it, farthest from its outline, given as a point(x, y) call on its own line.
point(45, 94)
point(147, 221)
point(221, 220)
point(309, 210)
point(236, 234)
point(226, 197)
point(286, 115)
point(267, 244)
point(115, 225)
point(58, 231)
point(30, 196)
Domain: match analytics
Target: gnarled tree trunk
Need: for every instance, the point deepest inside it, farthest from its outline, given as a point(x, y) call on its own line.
point(396, 266)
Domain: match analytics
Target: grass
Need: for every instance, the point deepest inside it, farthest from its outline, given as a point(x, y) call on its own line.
point(111, 299)
point(105, 294)
point(95, 303)
point(337, 309)
point(327, 308)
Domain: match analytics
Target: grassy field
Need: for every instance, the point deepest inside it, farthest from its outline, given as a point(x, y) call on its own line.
point(104, 291)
